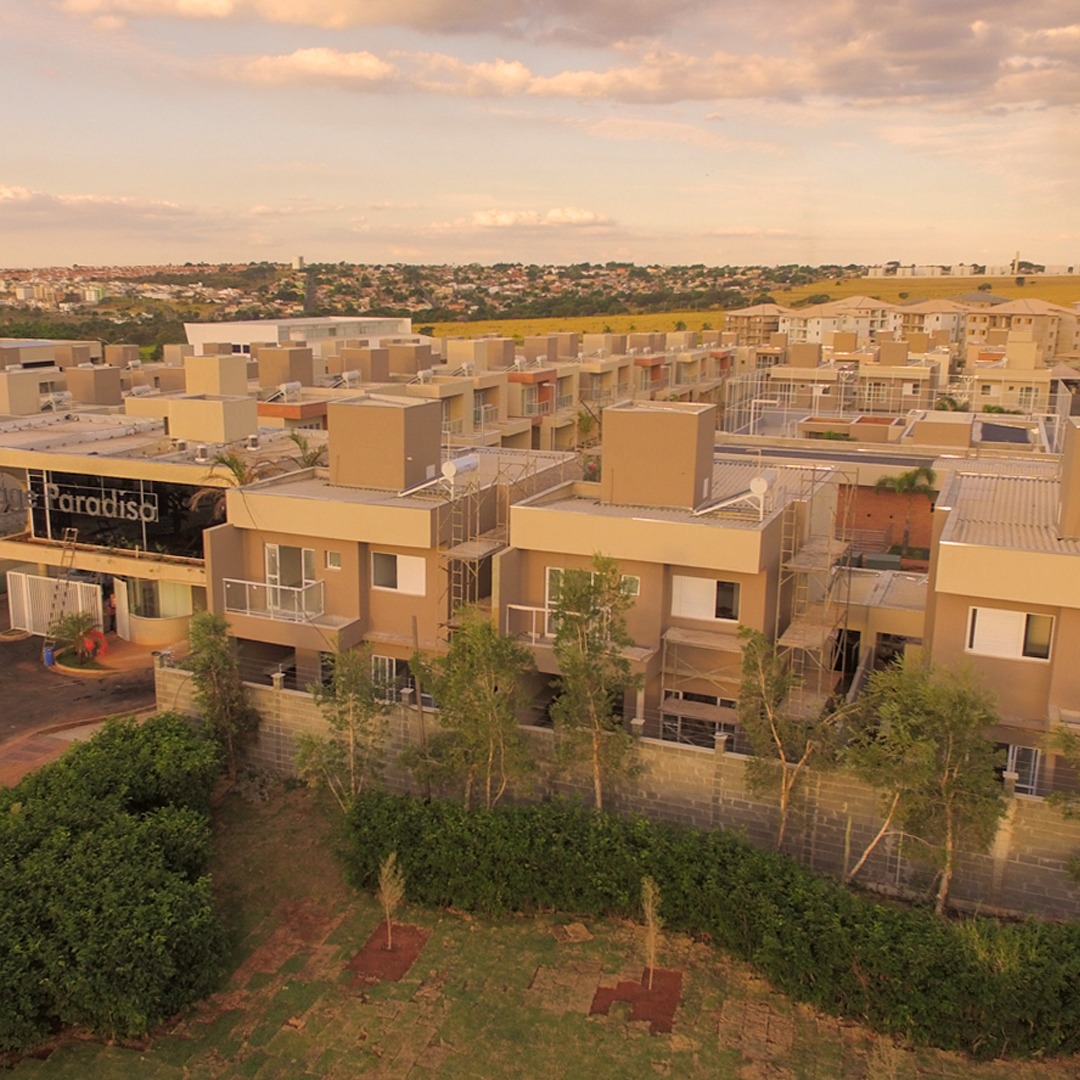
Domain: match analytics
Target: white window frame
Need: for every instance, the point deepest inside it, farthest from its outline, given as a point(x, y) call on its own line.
point(1003, 634)
point(1027, 773)
point(332, 559)
point(697, 598)
point(410, 574)
point(631, 585)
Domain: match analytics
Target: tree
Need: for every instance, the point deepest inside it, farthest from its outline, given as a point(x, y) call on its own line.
point(355, 709)
point(650, 908)
point(219, 692)
point(478, 687)
point(391, 892)
point(918, 481)
point(77, 631)
point(590, 618)
point(238, 473)
point(307, 455)
point(922, 744)
point(784, 740)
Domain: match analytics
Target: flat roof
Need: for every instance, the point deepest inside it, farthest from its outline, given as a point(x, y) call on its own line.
point(731, 479)
point(494, 465)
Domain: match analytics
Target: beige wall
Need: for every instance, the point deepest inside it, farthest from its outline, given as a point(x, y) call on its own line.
point(95, 386)
point(212, 420)
point(218, 374)
point(636, 474)
point(392, 444)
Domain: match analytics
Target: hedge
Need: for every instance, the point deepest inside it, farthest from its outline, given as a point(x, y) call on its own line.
point(978, 986)
point(107, 919)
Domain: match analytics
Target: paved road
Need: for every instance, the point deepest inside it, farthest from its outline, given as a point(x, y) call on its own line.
point(33, 697)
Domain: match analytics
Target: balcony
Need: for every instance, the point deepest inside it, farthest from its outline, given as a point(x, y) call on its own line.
point(453, 426)
point(282, 603)
point(564, 401)
point(529, 623)
point(597, 394)
point(485, 415)
point(536, 408)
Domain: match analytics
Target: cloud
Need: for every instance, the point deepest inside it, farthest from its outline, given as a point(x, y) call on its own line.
point(584, 21)
point(26, 208)
point(318, 65)
point(561, 217)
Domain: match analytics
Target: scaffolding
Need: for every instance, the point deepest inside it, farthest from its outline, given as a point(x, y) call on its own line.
point(813, 592)
point(474, 526)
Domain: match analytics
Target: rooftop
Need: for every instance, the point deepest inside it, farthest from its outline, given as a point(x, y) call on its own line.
point(1014, 512)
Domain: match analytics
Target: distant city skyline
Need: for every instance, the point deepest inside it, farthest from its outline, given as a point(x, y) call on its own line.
point(451, 131)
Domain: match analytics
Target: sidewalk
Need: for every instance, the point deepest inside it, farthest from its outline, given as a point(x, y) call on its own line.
point(29, 752)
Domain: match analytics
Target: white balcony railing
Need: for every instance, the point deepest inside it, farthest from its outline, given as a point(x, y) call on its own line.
point(485, 415)
point(531, 623)
point(536, 408)
point(285, 603)
point(453, 426)
point(564, 401)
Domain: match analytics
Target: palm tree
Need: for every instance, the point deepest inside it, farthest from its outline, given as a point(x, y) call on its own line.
point(238, 473)
point(918, 481)
point(308, 455)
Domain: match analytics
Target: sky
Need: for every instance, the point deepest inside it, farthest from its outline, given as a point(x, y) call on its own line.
point(548, 131)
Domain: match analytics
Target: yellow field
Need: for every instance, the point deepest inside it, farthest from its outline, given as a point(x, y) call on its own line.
point(1057, 290)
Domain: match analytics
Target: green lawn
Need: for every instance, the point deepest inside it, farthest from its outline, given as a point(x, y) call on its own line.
point(485, 999)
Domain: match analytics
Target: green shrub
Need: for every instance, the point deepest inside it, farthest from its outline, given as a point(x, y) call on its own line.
point(108, 920)
point(977, 986)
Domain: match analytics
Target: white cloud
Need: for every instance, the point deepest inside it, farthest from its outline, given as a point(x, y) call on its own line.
point(561, 217)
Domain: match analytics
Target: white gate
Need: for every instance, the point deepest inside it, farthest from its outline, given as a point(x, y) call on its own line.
point(30, 600)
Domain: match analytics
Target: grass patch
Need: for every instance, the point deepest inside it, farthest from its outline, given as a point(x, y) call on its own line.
point(471, 1006)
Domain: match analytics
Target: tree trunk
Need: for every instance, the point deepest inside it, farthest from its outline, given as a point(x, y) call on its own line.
point(598, 793)
point(942, 900)
point(877, 839)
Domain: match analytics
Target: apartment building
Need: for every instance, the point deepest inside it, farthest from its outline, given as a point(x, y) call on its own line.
point(868, 319)
point(1055, 330)
point(381, 547)
point(1005, 599)
point(705, 545)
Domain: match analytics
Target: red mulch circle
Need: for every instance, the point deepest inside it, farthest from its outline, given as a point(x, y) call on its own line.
point(657, 1005)
point(376, 963)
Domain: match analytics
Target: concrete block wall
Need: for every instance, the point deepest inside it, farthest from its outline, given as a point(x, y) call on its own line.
point(833, 819)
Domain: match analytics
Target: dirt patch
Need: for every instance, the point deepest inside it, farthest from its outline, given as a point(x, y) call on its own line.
point(300, 925)
point(376, 963)
point(571, 932)
point(655, 1005)
point(569, 988)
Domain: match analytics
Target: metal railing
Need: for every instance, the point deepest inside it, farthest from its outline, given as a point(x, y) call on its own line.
point(523, 621)
point(564, 401)
point(597, 393)
point(485, 415)
point(284, 603)
point(453, 426)
point(536, 408)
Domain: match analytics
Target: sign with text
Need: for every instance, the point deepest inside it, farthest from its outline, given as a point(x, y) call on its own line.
point(114, 503)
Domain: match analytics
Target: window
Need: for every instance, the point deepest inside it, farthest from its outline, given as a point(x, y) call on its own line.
point(333, 560)
point(1024, 761)
point(391, 676)
point(1012, 635)
point(705, 598)
point(631, 586)
point(402, 573)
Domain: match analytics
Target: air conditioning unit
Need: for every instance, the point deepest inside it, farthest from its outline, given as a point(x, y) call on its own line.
point(179, 444)
point(202, 454)
point(134, 365)
point(253, 442)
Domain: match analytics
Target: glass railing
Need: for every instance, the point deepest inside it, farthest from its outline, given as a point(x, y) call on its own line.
point(286, 603)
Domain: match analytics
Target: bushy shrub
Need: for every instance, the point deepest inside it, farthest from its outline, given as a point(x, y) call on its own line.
point(107, 919)
point(979, 986)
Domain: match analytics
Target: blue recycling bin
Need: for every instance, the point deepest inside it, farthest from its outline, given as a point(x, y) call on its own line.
point(50, 656)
